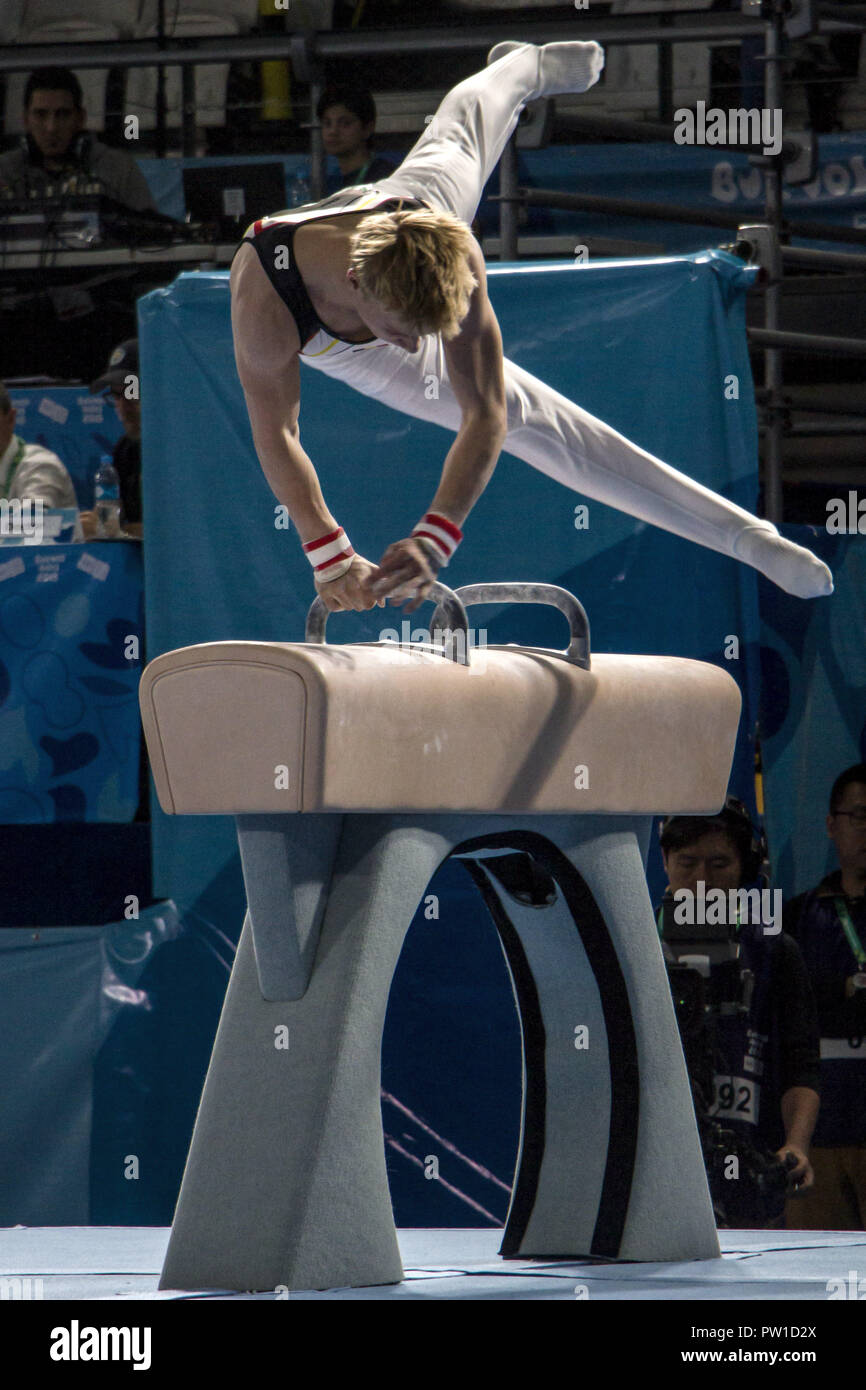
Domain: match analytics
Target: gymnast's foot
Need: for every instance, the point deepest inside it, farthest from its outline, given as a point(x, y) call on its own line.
point(792, 567)
point(563, 67)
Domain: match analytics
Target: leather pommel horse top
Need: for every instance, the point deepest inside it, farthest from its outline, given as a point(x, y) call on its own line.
point(263, 727)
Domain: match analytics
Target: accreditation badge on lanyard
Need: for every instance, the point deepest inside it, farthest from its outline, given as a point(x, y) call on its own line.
point(848, 1049)
point(853, 941)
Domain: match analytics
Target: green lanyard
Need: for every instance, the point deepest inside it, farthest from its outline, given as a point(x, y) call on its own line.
point(848, 928)
point(19, 454)
point(359, 178)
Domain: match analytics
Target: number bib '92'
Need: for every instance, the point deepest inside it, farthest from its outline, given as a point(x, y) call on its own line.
point(736, 1098)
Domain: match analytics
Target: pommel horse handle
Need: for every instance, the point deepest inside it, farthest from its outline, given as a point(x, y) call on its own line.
point(578, 622)
point(449, 610)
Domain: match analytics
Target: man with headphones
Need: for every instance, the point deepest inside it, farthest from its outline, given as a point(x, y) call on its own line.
point(747, 1017)
point(56, 155)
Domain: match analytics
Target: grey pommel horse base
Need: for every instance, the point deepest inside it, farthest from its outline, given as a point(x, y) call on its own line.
point(353, 772)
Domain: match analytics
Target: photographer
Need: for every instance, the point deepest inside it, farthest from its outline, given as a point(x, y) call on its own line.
point(746, 1015)
point(829, 923)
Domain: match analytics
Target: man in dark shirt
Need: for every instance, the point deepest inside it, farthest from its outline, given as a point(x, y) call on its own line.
point(754, 1071)
point(830, 925)
point(122, 380)
point(348, 118)
point(57, 152)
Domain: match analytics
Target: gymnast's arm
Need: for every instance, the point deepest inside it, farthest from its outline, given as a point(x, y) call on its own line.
point(477, 376)
point(267, 344)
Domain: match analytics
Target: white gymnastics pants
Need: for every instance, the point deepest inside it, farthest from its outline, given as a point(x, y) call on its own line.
point(448, 168)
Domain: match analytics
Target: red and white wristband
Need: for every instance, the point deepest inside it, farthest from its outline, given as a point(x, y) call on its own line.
point(442, 536)
point(330, 555)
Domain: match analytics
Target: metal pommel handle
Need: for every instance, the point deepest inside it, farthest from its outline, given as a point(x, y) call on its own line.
point(578, 647)
point(449, 610)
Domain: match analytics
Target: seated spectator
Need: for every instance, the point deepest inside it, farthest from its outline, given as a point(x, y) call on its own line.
point(829, 923)
point(121, 379)
point(57, 151)
point(746, 1017)
point(348, 118)
point(28, 471)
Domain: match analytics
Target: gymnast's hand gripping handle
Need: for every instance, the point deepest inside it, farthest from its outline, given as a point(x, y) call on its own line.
point(450, 611)
point(578, 622)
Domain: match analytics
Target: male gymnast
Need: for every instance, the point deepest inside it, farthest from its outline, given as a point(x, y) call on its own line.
point(383, 285)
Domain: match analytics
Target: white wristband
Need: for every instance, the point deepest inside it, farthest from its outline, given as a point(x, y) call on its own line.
point(331, 555)
point(442, 536)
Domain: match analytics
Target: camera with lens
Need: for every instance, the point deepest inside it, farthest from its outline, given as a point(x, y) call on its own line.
point(709, 982)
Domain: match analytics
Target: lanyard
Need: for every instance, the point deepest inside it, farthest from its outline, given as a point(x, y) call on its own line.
point(848, 927)
point(19, 454)
point(359, 177)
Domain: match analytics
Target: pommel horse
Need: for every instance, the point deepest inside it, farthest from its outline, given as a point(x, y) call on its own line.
point(352, 772)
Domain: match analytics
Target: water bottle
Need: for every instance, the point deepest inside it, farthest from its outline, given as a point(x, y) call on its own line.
point(106, 499)
point(299, 190)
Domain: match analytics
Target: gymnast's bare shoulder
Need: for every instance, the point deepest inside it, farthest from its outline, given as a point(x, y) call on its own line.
point(266, 337)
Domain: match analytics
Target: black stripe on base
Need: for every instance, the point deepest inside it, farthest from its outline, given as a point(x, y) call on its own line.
point(621, 1040)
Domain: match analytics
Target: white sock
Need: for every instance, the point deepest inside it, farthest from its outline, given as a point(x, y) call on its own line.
point(564, 67)
point(793, 568)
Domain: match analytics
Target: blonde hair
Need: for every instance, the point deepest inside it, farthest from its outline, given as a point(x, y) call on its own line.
point(415, 263)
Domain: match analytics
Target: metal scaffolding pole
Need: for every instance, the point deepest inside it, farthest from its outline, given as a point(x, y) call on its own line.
point(317, 147)
point(187, 78)
point(161, 107)
point(678, 212)
point(629, 207)
point(509, 199)
point(823, 260)
point(776, 341)
point(665, 54)
point(832, 429)
point(803, 407)
point(326, 45)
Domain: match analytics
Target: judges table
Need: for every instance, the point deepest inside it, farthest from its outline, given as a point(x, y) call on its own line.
point(71, 619)
point(353, 771)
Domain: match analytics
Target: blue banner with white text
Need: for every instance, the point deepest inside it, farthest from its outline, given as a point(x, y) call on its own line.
point(70, 658)
point(77, 427)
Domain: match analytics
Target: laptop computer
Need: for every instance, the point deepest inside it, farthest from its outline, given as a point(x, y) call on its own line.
point(234, 195)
